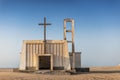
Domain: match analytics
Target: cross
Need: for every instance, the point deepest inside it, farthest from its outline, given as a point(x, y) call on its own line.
point(45, 24)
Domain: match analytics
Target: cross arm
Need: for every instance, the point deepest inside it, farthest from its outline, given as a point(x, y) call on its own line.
point(44, 24)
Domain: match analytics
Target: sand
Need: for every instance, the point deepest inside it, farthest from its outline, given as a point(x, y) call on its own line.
point(82, 76)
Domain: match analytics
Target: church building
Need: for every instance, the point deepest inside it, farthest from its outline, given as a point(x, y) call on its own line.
point(50, 54)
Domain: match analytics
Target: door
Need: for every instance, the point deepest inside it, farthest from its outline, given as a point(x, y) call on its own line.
point(44, 62)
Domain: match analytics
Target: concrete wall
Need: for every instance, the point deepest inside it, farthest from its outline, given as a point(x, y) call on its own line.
point(77, 59)
point(32, 49)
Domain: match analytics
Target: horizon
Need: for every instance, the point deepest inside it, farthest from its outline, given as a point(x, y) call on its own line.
point(97, 28)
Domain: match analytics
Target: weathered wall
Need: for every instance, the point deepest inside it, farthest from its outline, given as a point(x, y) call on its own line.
point(77, 59)
point(33, 48)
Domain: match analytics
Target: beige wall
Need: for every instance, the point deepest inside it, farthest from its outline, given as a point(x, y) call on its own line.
point(33, 48)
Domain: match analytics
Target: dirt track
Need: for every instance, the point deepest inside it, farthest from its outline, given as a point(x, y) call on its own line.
point(29, 76)
point(85, 76)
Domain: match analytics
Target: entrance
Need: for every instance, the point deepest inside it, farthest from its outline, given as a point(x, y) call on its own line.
point(44, 62)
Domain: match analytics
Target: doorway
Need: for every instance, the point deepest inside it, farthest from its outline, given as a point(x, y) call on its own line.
point(44, 62)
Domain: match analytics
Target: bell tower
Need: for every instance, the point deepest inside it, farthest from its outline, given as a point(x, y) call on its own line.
point(72, 38)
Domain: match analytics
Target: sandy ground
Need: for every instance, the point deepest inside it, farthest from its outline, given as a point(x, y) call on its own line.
point(82, 76)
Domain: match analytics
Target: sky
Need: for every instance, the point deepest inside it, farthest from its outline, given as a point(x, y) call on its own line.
point(97, 28)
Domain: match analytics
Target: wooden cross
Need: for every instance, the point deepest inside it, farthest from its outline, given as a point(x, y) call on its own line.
point(45, 24)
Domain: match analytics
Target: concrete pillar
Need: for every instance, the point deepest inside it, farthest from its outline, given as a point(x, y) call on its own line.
point(65, 38)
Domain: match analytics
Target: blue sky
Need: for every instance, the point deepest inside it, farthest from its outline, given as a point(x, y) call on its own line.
point(97, 28)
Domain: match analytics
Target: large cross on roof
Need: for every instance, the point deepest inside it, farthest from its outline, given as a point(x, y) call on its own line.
point(44, 24)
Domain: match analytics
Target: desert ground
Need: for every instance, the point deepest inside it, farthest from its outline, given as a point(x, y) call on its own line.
point(96, 73)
